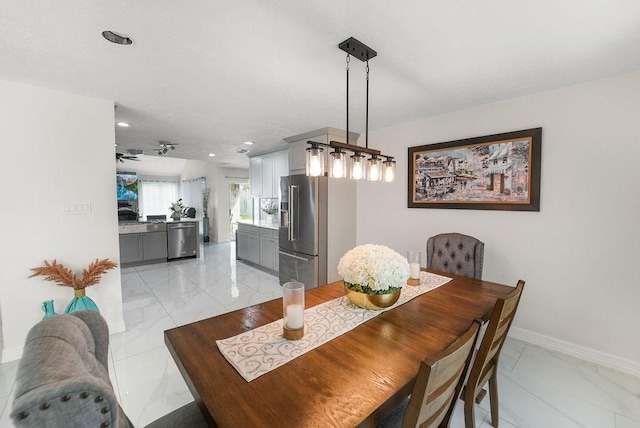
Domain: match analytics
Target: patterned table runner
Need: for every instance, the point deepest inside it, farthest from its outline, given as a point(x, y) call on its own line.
point(258, 351)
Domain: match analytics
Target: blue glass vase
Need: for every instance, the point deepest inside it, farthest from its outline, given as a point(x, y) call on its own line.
point(80, 302)
point(47, 308)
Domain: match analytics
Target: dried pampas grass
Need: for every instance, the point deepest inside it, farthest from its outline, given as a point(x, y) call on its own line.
point(62, 275)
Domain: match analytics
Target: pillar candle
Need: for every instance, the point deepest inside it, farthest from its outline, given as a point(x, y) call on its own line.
point(295, 317)
point(414, 269)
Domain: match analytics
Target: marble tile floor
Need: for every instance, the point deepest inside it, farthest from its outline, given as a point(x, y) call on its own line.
point(537, 387)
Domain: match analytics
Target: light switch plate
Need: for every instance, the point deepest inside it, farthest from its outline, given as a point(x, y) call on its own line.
point(76, 208)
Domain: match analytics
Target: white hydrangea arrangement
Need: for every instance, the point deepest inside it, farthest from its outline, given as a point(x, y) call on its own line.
point(176, 206)
point(373, 269)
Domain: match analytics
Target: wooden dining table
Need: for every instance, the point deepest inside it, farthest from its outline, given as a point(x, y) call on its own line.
point(352, 380)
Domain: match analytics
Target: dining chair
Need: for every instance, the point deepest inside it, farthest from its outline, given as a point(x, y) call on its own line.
point(63, 378)
point(485, 364)
point(456, 253)
point(437, 387)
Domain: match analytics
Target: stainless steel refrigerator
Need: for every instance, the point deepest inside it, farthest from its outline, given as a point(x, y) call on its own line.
point(303, 230)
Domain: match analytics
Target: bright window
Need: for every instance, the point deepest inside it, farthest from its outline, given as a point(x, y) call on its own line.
point(191, 193)
point(156, 197)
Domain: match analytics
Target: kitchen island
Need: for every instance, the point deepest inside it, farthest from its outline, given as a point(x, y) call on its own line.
point(144, 242)
point(257, 243)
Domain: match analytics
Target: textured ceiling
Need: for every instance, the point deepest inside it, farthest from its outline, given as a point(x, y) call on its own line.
point(210, 75)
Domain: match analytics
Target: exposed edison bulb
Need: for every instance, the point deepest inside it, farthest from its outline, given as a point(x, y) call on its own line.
point(389, 171)
point(314, 167)
point(338, 168)
point(374, 169)
point(357, 167)
point(337, 165)
point(389, 176)
point(374, 173)
point(358, 171)
point(315, 162)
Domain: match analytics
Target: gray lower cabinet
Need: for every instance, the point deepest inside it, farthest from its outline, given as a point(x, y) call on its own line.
point(248, 242)
point(154, 245)
point(130, 248)
point(268, 252)
point(257, 245)
point(242, 245)
point(143, 247)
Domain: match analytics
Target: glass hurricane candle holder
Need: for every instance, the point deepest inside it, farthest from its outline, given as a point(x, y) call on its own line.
point(293, 310)
point(414, 259)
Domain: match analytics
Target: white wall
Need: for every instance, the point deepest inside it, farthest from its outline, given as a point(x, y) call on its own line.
point(57, 149)
point(218, 182)
point(220, 194)
point(579, 254)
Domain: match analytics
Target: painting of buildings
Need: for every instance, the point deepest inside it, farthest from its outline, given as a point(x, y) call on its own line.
point(479, 173)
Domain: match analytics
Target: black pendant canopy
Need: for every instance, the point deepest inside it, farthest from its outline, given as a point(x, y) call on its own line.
point(358, 49)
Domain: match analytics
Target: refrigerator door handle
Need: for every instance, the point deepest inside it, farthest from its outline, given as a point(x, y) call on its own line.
point(293, 257)
point(293, 213)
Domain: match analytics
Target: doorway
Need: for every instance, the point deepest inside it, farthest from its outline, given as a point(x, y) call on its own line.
point(240, 206)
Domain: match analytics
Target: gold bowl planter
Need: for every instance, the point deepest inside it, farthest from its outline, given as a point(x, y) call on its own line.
point(372, 301)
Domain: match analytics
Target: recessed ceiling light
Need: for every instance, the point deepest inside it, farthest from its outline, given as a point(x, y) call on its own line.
point(123, 124)
point(249, 143)
point(242, 151)
point(119, 39)
point(212, 154)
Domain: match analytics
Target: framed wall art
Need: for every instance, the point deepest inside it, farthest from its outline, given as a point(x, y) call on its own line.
point(494, 172)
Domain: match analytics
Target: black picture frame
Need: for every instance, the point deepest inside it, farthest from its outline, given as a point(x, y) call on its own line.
point(493, 172)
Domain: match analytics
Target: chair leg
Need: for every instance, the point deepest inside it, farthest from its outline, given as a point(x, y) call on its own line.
point(493, 397)
point(469, 413)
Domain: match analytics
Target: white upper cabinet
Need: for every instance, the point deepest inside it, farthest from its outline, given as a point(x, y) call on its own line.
point(267, 175)
point(265, 172)
point(280, 169)
point(255, 176)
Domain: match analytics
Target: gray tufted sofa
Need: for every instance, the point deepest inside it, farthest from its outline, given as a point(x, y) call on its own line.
point(456, 253)
point(63, 378)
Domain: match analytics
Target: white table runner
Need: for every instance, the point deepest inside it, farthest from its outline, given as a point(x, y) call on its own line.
point(258, 351)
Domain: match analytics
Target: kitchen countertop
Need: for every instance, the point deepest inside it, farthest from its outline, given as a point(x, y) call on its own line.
point(130, 222)
point(260, 223)
point(133, 226)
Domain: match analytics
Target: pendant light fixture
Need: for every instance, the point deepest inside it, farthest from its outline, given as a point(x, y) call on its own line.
point(375, 168)
point(389, 170)
point(360, 167)
point(337, 163)
point(315, 161)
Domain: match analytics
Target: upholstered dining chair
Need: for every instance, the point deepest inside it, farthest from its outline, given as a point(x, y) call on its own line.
point(485, 364)
point(63, 378)
point(456, 253)
point(437, 386)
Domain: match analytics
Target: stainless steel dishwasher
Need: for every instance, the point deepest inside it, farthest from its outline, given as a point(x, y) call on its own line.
point(182, 239)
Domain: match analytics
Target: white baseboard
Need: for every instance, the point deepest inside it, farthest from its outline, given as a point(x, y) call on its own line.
point(11, 354)
point(117, 327)
point(577, 351)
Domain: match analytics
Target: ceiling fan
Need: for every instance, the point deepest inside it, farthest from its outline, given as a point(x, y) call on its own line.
point(165, 146)
point(121, 157)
